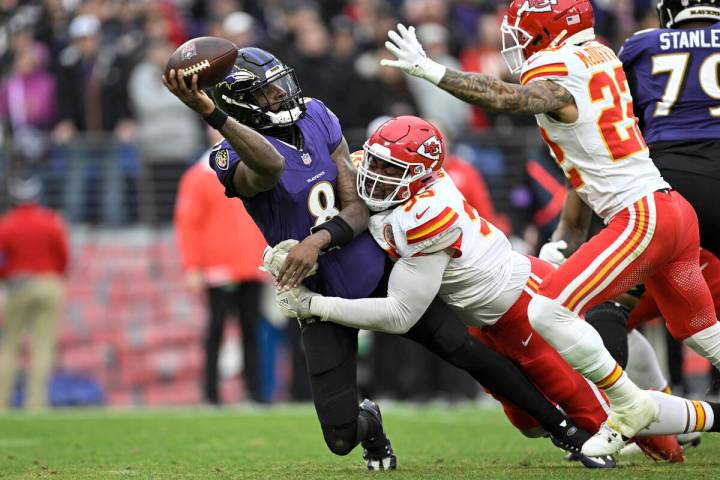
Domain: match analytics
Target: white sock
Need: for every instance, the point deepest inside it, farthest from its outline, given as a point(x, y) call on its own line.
point(581, 346)
point(679, 415)
point(707, 343)
point(642, 365)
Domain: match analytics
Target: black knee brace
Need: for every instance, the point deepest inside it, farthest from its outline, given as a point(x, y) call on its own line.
point(610, 320)
point(341, 440)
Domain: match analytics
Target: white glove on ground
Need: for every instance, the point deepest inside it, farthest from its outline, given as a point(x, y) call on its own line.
point(552, 252)
point(274, 258)
point(295, 302)
point(411, 57)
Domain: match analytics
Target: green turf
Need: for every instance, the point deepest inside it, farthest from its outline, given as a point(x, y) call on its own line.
point(285, 443)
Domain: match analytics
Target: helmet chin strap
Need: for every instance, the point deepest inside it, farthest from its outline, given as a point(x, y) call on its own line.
point(558, 39)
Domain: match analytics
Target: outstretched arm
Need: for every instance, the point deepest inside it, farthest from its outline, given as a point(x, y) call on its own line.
point(491, 93)
point(413, 284)
point(261, 165)
point(482, 90)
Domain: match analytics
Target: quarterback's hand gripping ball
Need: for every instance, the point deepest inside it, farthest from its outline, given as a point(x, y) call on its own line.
point(210, 58)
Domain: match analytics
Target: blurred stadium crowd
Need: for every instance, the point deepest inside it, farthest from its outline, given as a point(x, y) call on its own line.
point(84, 111)
point(81, 98)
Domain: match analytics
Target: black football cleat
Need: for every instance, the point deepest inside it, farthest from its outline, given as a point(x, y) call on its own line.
point(572, 440)
point(377, 451)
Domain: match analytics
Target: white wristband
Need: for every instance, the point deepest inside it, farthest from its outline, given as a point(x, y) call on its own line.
point(433, 71)
point(319, 307)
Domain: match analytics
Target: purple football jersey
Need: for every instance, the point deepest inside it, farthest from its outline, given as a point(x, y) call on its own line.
point(304, 197)
point(674, 82)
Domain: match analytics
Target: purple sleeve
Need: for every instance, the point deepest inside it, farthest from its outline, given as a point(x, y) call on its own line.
point(630, 50)
point(331, 124)
point(224, 161)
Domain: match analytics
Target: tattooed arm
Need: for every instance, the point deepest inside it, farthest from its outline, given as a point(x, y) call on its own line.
point(542, 96)
point(481, 90)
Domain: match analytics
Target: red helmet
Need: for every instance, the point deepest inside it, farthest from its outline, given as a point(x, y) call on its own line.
point(401, 157)
point(534, 25)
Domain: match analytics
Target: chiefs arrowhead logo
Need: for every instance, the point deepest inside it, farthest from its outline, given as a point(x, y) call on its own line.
point(539, 6)
point(431, 148)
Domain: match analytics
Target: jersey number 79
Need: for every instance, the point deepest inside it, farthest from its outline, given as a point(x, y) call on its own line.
point(676, 64)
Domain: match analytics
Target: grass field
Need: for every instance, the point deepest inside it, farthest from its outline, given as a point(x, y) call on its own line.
point(285, 443)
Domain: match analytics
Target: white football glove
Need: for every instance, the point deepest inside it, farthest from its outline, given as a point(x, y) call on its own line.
point(274, 258)
point(552, 252)
point(295, 303)
point(411, 57)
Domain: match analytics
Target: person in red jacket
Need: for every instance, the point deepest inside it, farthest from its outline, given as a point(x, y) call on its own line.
point(206, 222)
point(33, 262)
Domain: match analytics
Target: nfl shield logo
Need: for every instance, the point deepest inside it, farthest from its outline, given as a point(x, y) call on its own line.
point(306, 158)
point(188, 51)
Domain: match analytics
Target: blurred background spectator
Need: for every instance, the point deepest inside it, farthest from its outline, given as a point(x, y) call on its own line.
point(93, 101)
point(33, 261)
point(27, 102)
point(167, 131)
point(83, 109)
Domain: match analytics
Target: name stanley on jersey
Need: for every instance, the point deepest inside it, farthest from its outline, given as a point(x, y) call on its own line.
point(690, 39)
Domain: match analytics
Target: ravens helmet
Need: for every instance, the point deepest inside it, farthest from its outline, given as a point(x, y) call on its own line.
point(260, 91)
point(673, 12)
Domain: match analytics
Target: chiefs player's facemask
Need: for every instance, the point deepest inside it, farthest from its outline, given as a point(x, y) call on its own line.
point(384, 182)
point(514, 40)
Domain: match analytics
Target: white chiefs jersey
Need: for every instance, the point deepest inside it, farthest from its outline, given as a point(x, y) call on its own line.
point(603, 154)
point(484, 277)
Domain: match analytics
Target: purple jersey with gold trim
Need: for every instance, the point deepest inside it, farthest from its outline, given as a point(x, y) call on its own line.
point(305, 197)
point(673, 76)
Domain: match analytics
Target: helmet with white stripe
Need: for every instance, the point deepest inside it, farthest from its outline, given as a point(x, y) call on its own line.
point(260, 91)
point(534, 25)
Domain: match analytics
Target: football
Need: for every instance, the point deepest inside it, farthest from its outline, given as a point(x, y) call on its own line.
point(211, 58)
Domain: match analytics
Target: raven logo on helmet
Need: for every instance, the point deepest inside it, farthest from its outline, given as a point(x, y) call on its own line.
point(237, 75)
point(261, 91)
